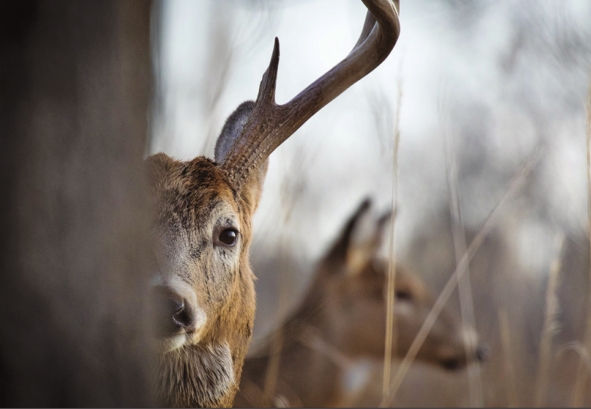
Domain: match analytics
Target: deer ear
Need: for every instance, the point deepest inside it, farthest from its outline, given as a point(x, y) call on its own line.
point(232, 130)
point(337, 255)
point(360, 249)
point(381, 227)
point(226, 143)
point(366, 238)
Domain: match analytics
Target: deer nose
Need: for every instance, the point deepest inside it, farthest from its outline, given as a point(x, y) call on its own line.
point(173, 314)
point(175, 305)
point(176, 309)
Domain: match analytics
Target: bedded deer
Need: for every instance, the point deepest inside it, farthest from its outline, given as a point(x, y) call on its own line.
point(203, 289)
point(342, 318)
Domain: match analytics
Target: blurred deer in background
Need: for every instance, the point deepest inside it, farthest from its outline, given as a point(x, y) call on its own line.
point(203, 291)
point(342, 318)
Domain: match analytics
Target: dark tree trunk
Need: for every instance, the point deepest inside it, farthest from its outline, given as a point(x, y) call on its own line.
point(75, 86)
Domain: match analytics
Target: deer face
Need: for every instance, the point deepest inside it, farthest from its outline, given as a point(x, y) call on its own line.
point(203, 232)
point(203, 287)
point(355, 284)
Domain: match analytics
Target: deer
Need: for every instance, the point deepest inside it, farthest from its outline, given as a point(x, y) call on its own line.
point(342, 319)
point(203, 286)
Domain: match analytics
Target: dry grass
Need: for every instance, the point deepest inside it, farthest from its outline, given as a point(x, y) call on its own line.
point(516, 183)
point(390, 324)
point(288, 201)
point(582, 375)
point(550, 325)
point(508, 355)
point(460, 247)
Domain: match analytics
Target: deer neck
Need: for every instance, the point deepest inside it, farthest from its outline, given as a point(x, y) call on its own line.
point(305, 341)
point(197, 376)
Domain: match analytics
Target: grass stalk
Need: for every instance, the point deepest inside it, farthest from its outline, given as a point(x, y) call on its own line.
point(460, 247)
point(506, 345)
point(581, 382)
point(277, 342)
point(550, 325)
point(390, 324)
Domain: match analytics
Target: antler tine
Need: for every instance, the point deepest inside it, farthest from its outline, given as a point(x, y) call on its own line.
point(266, 94)
point(270, 124)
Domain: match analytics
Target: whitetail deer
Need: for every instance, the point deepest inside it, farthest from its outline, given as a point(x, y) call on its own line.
point(343, 317)
point(204, 208)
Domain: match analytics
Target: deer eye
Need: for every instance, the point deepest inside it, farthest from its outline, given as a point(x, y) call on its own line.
point(403, 295)
point(228, 237)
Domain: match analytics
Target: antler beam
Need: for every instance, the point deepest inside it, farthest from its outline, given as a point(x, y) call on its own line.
point(271, 124)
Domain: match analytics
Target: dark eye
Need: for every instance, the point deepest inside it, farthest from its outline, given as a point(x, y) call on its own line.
point(403, 295)
point(228, 237)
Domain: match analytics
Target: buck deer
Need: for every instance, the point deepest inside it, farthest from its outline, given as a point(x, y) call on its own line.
point(204, 290)
point(343, 318)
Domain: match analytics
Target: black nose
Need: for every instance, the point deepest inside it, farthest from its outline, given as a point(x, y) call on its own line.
point(451, 364)
point(482, 352)
point(174, 305)
point(171, 313)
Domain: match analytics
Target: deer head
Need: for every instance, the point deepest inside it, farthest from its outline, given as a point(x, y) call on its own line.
point(203, 290)
point(352, 278)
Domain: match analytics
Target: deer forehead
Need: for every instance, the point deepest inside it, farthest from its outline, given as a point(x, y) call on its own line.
point(192, 196)
point(193, 201)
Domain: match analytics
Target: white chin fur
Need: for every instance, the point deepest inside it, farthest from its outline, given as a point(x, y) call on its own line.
point(177, 341)
point(171, 343)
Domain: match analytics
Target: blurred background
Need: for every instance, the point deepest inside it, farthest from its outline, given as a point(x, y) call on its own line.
point(481, 89)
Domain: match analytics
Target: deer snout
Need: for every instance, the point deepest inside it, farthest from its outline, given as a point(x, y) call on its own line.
point(457, 358)
point(470, 337)
point(178, 318)
point(173, 313)
point(459, 361)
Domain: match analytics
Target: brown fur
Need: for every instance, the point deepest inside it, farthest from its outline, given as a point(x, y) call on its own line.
point(187, 198)
point(345, 307)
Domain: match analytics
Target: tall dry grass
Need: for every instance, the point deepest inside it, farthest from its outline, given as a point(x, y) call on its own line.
point(507, 345)
point(460, 247)
point(288, 203)
point(582, 373)
point(551, 325)
point(516, 183)
point(390, 318)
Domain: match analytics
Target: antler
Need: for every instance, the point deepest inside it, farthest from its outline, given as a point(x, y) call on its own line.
point(270, 124)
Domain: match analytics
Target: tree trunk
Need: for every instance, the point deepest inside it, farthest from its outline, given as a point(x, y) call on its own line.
point(74, 216)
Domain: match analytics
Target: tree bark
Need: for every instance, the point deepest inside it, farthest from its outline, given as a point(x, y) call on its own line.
point(74, 215)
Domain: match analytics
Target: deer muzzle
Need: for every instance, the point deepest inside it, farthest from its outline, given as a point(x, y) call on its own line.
point(457, 358)
point(177, 317)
